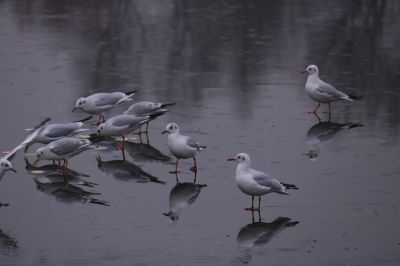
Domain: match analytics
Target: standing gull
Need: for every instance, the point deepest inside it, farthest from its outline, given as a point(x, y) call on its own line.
point(121, 125)
point(256, 183)
point(148, 108)
point(323, 92)
point(99, 103)
point(182, 147)
point(52, 132)
point(62, 150)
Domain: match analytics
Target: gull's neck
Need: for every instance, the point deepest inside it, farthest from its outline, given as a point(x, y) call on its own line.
point(243, 167)
point(312, 77)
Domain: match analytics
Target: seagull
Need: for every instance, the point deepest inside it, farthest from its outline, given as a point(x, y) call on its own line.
point(62, 150)
point(52, 132)
point(147, 108)
point(5, 164)
point(99, 103)
point(256, 183)
point(121, 125)
point(323, 92)
point(182, 147)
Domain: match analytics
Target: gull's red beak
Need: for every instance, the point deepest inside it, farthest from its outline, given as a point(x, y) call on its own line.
point(164, 132)
point(12, 169)
point(232, 159)
point(75, 108)
point(304, 71)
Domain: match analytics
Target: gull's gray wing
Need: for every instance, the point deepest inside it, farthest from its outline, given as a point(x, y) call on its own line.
point(128, 121)
point(265, 180)
point(106, 99)
point(67, 145)
point(60, 130)
point(329, 90)
point(193, 144)
point(143, 108)
point(28, 139)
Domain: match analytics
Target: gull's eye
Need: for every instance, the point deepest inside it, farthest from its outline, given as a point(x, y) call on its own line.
point(41, 152)
point(310, 69)
point(171, 127)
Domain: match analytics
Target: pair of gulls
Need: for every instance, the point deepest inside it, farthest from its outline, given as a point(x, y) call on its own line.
point(249, 181)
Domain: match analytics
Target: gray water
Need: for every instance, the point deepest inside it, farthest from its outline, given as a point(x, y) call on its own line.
point(233, 68)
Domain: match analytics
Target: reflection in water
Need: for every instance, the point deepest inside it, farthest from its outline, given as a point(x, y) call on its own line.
point(126, 171)
point(181, 196)
point(54, 174)
point(324, 131)
point(259, 234)
point(7, 243)
point(68, 193)
point(144, 152)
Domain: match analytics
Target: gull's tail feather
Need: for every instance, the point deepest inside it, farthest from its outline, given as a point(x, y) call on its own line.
point(128, 96)
point(289, 186)
point(166, 105)
point(355, 97)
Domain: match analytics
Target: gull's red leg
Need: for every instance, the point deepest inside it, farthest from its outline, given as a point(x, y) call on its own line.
point(316, 109)
point(252, 205)
point(176, 168)
point(194, 167)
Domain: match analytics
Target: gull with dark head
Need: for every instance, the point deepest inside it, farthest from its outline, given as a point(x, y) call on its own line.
point(182, 147)
point(323, 92)
point(99, 103)
point(256, 183)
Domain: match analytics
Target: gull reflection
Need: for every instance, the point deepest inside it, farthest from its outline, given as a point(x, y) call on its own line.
point(181, 196)
point(67, 193)
point(258, 234)
point(127, 171)
point(144, 152)
point(7, 243)
point(324, 131)
point(53, 173)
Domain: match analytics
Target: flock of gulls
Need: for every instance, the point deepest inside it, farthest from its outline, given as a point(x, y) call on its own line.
point(61, 141)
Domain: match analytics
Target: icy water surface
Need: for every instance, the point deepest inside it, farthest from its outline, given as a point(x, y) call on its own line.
point(233, 68)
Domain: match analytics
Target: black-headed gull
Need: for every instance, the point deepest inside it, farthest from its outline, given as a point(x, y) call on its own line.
point(256, 183)
point(146, 108)
point(52, 132)
point(182, 147)
point(121, 125)
point(99, 103)
point(62, 150)
point(323, 92)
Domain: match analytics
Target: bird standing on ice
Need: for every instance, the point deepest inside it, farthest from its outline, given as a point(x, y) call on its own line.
point(182, 147)
point(323, 92)
point(256, 183)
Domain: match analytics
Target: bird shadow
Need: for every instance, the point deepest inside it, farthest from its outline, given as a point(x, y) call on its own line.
point(8, 244)
point(67, 193)
point(126, 171)
point(55, 173)
point(259, 234)
point(323, 131)
point(181, 196)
